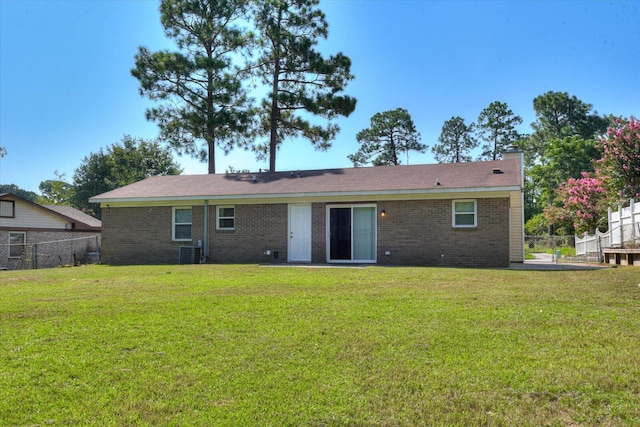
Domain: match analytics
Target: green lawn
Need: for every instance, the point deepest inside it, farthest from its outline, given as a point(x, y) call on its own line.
point(245, 345)
point(564, 250)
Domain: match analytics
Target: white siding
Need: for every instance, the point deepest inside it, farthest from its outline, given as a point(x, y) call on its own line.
point(32, 217)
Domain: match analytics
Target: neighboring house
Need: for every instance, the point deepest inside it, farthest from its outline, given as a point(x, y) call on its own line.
point(39, 236)
point(462, 214)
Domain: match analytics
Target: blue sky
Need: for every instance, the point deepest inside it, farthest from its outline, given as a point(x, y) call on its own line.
point(66, 88)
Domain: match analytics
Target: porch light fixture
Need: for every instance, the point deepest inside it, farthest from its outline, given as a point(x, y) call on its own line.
point(383, 213)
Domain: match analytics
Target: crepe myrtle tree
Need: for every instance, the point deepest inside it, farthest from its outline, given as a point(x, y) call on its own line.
point(619, 165)
point(579, 204)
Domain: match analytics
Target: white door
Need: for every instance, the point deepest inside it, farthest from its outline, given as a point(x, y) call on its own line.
point(300, 233)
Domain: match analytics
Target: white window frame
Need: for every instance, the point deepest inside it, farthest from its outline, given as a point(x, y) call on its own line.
point(220, 217)
point(174, 224)
point(454, 213)
point(24, 243)
point(7, 212)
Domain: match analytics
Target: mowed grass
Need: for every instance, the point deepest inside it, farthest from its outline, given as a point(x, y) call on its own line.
point(244, 345)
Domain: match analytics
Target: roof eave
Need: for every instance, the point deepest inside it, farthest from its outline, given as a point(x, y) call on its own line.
point(414, 192)
point(61, 215)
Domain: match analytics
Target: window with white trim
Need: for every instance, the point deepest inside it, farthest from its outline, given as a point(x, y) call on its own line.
point(7, 209)
point(181, 224)
point(226, 218)
point(465, 213)
point(17, 242)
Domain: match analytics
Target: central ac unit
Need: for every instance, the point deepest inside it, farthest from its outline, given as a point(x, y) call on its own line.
point(190, 254)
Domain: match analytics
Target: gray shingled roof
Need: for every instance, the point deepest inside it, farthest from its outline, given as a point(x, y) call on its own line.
point(475, 176)
point(75, 215)
point(82, 220)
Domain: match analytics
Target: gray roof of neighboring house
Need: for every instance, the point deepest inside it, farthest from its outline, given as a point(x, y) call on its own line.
point(82, 220)
point(404, 179)
point(76, 215)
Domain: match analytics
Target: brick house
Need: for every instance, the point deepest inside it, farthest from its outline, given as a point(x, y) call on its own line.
point(463, 214)
point(39, 236)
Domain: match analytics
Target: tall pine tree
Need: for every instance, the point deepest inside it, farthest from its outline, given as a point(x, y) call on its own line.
point(455, 142)
point(202, 101)
point(301, 82)
point(390, 134)
point(497, 127)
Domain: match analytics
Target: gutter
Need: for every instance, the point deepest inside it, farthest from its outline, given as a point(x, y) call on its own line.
point(333, 194)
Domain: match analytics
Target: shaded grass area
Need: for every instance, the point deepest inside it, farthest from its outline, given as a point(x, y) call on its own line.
point(249, 345)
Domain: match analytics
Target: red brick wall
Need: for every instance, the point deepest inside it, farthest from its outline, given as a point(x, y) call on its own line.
point(258, 228)
point(414, 232)
point(421, 233)
point(143, 235)
point(318, 232)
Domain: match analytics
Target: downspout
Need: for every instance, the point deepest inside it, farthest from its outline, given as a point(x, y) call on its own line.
point(205, 239)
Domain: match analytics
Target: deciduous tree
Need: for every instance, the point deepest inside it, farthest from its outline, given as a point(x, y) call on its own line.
point(559, 115)
point(201, 101)
point(56, 191)
point(14, 189)
point(563, 122)
point(390, 134)
point(455, 142)
point(582, 202)
point(121, 164)
point(564, 158)
point(301, 82)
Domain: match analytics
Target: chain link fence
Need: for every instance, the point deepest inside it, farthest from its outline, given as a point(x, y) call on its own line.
point(557, 246)
point(53, 253)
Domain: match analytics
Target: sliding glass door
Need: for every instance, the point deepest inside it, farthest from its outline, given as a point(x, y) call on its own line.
point(352, 233)
point(340, 233)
